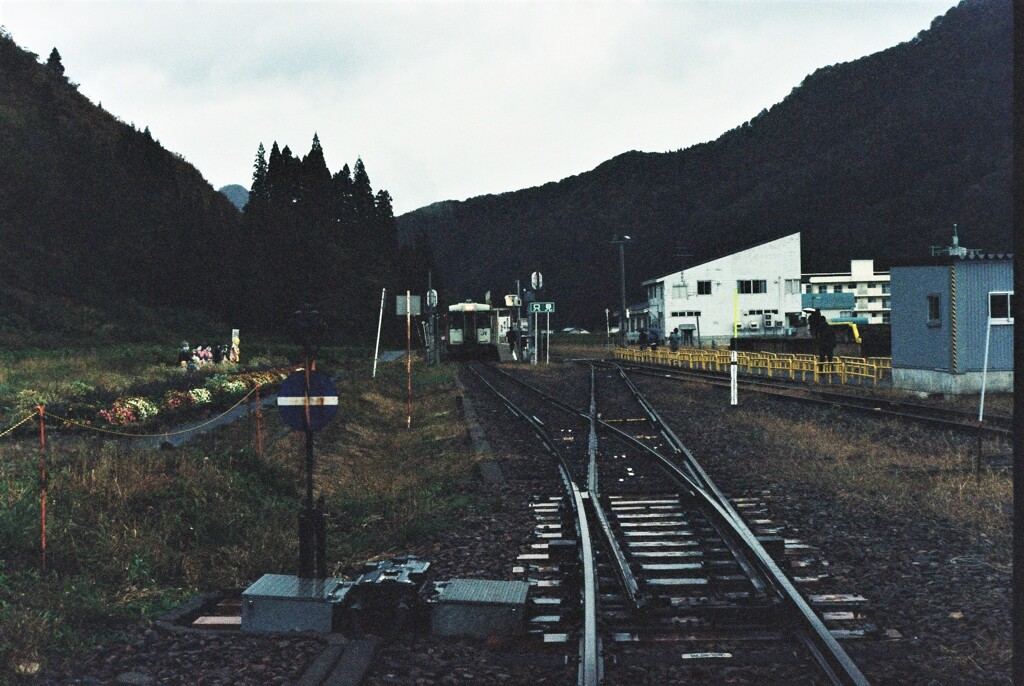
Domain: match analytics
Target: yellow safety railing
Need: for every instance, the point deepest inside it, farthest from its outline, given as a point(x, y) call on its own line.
point(843, 369)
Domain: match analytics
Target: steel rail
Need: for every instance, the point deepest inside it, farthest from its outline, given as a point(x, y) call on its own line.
point(827, 652)
point(830, 656)
point(589, 673)
point(874, 406)
point(627, 579)
point(622, 569)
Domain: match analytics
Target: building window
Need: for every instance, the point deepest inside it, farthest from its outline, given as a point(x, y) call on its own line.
point(934, 313)
point(885, 318)
point(1000, 307)
point(687, 313)
point(887, 303)
point(752, 286)
point(885, 287)
point(678, 291)
point(792, 286)
point(703, 288)
point(845, 313)
point(837, 289)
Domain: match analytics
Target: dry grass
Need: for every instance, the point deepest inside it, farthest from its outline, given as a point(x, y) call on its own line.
point(891, 467)
point(131, 532)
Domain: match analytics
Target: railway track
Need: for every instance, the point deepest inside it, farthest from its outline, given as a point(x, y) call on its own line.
point(674, 562)
point(994, 426)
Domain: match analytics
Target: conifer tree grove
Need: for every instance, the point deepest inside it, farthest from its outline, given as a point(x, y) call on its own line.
point(328, 240)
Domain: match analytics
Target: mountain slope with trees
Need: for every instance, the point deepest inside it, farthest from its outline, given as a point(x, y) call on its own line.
point(875, 158)
point(106, 234)
point(237, 194)
point(93, 209)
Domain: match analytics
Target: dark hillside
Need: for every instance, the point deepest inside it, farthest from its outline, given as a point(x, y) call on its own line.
point(105, 234)
point(95, 210)
point(875, 158)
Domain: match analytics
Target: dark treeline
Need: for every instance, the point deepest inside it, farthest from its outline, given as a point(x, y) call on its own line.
point(104, 234)
point(326, 239)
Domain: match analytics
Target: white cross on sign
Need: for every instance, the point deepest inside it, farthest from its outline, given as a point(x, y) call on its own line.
point(313, 400)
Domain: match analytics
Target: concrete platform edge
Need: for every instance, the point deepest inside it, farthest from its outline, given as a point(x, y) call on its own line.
point(490, 470)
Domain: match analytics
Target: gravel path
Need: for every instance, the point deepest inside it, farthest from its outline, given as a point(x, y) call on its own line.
point(150, 655)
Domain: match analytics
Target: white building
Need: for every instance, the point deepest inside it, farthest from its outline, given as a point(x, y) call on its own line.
point(757, 289)
point(869, 288)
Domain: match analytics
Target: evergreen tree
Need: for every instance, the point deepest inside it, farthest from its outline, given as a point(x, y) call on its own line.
point(54, 64)
point(362, 192)
point(258, 192)
point(386, 240)
point(342, 196)
point(273, 170)
point(315, 179)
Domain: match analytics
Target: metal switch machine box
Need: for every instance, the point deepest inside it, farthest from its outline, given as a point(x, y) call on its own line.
point(281, 602)
point(478, 609)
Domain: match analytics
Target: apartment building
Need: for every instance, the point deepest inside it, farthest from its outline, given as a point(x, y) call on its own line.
point(870, 289)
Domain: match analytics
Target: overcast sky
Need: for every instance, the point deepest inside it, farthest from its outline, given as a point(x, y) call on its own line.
point(449, 100)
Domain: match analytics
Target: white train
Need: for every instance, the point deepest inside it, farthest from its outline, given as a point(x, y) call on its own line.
point(474, 330)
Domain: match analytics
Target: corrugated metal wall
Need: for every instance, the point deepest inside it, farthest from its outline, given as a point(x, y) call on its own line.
point(974, 281)
point(915, 345)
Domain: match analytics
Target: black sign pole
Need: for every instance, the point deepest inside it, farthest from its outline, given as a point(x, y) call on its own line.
point(306, 516)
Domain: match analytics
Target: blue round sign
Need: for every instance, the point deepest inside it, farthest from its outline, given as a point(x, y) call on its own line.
point(292, 404)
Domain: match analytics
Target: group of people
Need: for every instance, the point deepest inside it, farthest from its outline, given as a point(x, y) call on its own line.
point(203, 354)
point(817, 325)
point(675, 340)
point(678, 338)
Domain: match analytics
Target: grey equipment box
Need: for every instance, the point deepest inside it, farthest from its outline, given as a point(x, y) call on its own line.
point(281, 602)
point(478, 609)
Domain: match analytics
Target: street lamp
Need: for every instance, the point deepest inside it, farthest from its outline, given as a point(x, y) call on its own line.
point(621, 241)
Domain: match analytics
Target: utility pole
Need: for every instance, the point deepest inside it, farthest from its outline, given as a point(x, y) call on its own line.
point(621, 241)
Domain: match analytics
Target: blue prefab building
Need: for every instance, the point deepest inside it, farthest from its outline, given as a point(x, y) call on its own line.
point(944, 315)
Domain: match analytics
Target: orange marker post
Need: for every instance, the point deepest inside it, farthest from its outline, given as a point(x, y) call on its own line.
point(42, 484)
point(259, 424)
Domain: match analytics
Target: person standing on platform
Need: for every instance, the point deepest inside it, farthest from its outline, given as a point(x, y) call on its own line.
point(826, 342)
point(820, 330)
point(512, 336)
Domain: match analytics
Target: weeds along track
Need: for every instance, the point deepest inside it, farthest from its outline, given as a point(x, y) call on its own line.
point(995, 425)
point(686, 587)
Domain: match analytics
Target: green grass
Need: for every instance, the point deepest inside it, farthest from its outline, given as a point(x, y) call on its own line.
point(130, 533)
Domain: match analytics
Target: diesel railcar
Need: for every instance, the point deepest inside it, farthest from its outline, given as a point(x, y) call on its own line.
point(475, 330)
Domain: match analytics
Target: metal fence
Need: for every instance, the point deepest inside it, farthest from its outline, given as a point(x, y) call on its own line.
point(845, 370)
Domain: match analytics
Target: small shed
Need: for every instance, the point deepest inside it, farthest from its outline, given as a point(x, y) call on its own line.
point(945, 316)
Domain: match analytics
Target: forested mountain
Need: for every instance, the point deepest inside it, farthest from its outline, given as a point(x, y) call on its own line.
point(93, 209)
point(104, 232)
point(875, 158)
point(237, 194)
